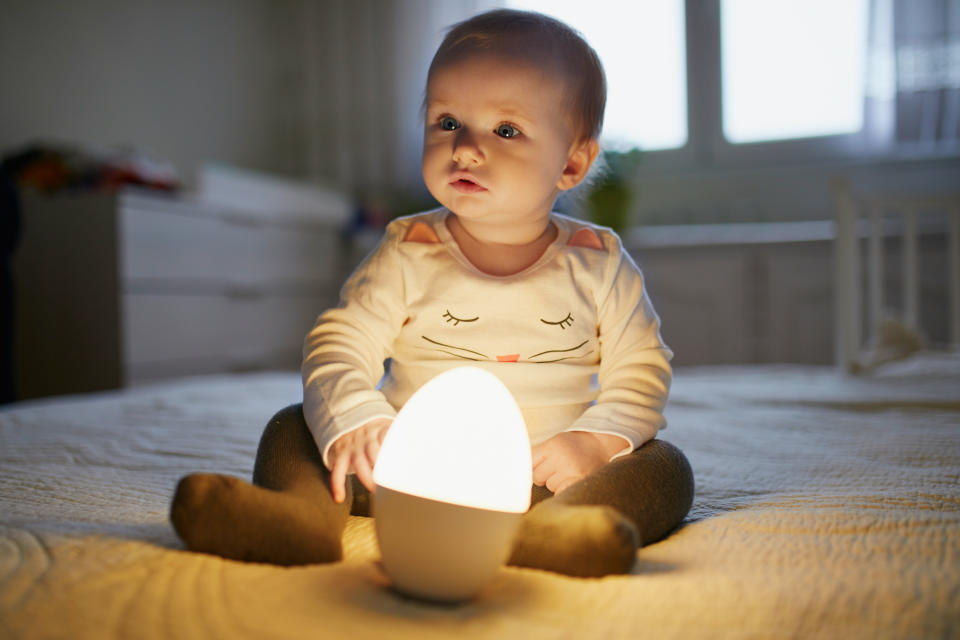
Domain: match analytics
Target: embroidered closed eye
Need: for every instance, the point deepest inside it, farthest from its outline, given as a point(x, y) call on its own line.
point(449, 317)
point(563, 324)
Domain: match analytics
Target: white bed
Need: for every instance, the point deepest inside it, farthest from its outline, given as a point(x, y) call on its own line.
point(826, 506)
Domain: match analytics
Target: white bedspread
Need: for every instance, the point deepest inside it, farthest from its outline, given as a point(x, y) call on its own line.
point(826, 507)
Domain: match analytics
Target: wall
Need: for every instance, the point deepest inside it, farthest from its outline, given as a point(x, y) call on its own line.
point(366, 72)
point(743, 303)
point(187, 81)
point(327, 90)
point(784, 192)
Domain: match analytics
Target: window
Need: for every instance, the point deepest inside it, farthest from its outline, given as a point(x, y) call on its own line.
point(792, 71)
point(772, 81)
point(642, 47)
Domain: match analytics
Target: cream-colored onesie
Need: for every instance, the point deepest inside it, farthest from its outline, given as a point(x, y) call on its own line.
point(574, 336)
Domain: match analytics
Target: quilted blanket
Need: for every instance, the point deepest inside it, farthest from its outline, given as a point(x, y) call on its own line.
point(826, 506)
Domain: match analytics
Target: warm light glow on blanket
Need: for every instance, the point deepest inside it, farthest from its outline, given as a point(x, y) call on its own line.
point(453, 479)
point(460, 439)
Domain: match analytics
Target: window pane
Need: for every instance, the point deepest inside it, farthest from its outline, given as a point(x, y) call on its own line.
point(642, 46)
point(792, 68)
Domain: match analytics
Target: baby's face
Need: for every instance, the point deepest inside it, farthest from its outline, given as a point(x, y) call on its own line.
point(496, 140)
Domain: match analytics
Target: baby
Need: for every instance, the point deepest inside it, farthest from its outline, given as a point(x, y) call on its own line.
point(552, 305)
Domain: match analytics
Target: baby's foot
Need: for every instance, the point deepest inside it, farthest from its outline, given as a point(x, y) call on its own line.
point(586, 541)
point(231, 518)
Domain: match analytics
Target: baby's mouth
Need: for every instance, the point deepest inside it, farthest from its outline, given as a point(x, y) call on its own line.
point(466, 184)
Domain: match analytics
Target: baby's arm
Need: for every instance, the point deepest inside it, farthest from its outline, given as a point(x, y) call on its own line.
point(570, 455)
point(356, 451)
point(343, 361)
point(634, 373)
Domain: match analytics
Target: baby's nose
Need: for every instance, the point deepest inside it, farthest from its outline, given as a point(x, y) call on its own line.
point(465, 150)
point(510, 358)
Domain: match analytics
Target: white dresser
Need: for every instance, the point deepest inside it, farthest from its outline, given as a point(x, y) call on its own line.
point(114, 290)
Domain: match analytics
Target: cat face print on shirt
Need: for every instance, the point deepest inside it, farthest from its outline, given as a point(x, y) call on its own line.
point(496, 323)
point(552, 338)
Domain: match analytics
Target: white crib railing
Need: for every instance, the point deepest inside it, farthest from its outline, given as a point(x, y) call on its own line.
point(858, 217)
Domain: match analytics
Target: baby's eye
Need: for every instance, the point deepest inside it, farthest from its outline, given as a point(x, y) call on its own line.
point(507, 131)
point(566, 322)
point(449, 124)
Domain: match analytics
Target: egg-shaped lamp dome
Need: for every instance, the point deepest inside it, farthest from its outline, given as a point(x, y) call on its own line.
point(453, 479)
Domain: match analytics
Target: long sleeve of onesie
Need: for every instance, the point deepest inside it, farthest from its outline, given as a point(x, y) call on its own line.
point(635, 375)
point(344, 352)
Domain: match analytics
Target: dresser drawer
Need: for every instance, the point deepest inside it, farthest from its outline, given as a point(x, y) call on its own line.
point(115, 289)
point(232, 333)
point(160, 246)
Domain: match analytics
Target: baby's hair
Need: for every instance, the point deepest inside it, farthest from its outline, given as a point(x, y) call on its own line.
point(540, 40)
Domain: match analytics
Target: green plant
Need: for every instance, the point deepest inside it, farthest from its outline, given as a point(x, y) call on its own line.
point(611, 195)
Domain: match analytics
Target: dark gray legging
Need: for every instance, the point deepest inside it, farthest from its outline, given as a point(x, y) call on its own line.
point(653, 486)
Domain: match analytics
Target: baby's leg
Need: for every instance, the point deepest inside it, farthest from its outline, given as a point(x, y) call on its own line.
point(595, 526)
point(287, 516)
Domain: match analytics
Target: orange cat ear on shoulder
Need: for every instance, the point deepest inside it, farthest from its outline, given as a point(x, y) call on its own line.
point(586, 238)
point(423, 233)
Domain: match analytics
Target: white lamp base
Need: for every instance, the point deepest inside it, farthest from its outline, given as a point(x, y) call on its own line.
point(438, 550)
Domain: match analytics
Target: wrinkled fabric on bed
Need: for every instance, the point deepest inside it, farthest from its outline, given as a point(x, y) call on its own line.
point(826, 506)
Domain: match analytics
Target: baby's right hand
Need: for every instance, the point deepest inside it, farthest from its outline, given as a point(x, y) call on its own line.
point(356, 451)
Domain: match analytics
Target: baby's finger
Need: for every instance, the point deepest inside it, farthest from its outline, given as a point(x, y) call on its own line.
point(556, 483)
point(564, 484)
point(541, 473)
point(338, 478)
point(550, 484)
point(537, 455)
point(372, 450)
point(364, 472)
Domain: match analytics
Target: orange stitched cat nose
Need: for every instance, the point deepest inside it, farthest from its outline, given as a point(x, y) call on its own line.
point(511, 358)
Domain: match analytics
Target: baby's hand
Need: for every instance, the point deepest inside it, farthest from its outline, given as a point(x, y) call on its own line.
point(571, 455)
point(356, 451)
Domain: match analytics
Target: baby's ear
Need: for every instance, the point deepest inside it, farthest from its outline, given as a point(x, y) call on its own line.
point(586, 238)
point(423, 233)
point(579, 161)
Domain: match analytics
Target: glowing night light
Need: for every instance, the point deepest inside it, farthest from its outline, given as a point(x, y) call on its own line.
point(453, 478)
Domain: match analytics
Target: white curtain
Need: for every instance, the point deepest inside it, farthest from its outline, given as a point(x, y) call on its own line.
point(366, 69)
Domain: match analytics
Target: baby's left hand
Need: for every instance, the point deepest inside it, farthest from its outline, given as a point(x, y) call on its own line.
point(571, 455)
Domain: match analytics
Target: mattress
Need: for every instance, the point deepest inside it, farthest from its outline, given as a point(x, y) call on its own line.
point(826, 506)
